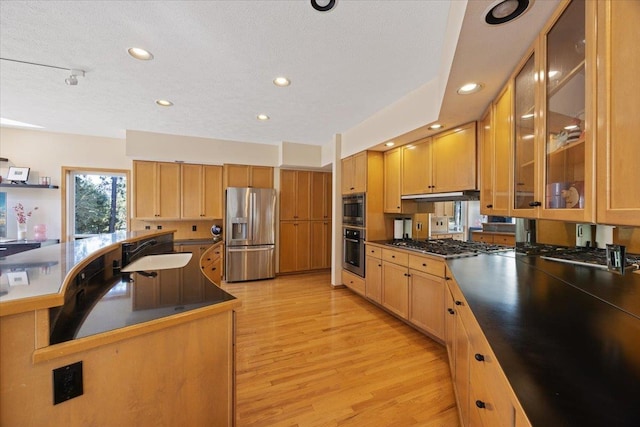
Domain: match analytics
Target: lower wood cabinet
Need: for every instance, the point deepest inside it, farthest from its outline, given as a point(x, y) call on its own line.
point(426, 302)
point(373, 274)
point(353, 282)
point(211, 263)
point(295, 252)
point(395, 288)
point(320, 245)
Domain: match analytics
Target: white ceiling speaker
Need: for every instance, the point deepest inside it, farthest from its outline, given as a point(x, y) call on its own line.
point(323, 5)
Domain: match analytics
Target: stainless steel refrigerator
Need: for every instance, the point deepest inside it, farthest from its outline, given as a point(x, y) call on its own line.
point(250, 234)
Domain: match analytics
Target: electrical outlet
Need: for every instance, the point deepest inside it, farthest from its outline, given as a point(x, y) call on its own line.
point(147, 227)
point(194, 228)
point(67, 382)
point(159, 227)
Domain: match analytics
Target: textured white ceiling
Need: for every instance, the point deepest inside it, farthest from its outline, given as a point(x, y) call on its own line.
point(216, 61)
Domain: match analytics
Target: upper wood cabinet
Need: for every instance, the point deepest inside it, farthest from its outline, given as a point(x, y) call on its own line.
point(454, 160)
point(618, 125)
point(495, 138)
point(295, 194)
point(416, 167)
point(321, 195)
point(156, 190)
point(393, 181)
point(446, 162)
point(354, 173)
point(201, 191)
point(248, 176)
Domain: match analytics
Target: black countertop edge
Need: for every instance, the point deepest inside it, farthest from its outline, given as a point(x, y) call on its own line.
point(571, 358)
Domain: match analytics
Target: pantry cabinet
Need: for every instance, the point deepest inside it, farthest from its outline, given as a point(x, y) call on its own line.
point(354, 173)
point(156, 190)
point(248, 176)
point(295, 195)
point(320, 245)
point(321, 195)
point(295, 252)
point(393, 181)
point(201, 189)
point(618, 125)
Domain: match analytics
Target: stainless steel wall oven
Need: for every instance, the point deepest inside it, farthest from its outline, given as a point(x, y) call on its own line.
point(353, 250)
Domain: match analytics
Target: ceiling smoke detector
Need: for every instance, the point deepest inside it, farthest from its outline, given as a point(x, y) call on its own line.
point(506, 10)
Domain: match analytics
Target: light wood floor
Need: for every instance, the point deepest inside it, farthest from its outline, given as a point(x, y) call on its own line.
point(310, 355)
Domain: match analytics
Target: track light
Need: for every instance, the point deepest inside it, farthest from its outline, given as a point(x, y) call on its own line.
point(72, 80)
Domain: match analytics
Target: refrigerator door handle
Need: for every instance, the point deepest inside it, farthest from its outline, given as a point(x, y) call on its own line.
point(258, 249)
point(252, 209)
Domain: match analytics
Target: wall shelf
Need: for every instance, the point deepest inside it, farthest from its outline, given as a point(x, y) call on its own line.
point(28, 186)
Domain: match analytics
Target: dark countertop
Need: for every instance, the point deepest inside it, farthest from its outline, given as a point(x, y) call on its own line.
point(567, 337)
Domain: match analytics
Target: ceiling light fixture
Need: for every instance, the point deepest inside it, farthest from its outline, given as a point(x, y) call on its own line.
point(323, 5)
point(281, 81)
point(527, 116)
point(435, 126)
point(72, 80)
point(164, 103)
point(527, 136)
point(389, 144)
point(469, 88)
point(504, 11)
point(262, 117)
point(139, 53)
point(9, 122)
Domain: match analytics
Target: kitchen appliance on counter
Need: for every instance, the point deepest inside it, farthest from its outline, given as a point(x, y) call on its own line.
point(250, 236)
point(402, 228)
point(353, 209)
point(216, 232)
point(353, 250)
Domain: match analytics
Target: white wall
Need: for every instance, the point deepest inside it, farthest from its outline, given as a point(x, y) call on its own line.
point(300, 155)
point(45, 153)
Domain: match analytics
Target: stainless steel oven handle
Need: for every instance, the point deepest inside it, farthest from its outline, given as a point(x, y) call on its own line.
point(352, 240)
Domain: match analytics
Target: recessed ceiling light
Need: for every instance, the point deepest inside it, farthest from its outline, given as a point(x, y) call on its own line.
point(389, 144)
point(281, 81)
point(139, 53)
point(9, 122)
point(527, 116)
point(164, 103)
point(262, 117)
point(504, 11)
point(435, 126)
point(469, 88)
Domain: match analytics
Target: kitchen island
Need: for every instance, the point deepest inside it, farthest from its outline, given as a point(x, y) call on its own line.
point(169, 361)
point(566, 337)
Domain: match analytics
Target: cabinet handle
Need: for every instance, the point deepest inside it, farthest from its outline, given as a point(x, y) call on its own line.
point(424, 264)
point(352, 188)
point(479, 357)
point(447, 278)
point(480, 404)
point(213, 269)
point(393, 256)
point(450, 310)
point(533, 204)
point(458, 302)
point(489, 206)
point(379, 265)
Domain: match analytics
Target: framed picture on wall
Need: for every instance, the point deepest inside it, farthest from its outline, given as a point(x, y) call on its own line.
point(18, 174)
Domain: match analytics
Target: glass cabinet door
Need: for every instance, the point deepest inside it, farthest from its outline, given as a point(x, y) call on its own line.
point(524, 140)
point(564, 180)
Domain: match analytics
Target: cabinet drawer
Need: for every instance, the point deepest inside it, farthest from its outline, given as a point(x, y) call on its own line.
point(374, 251)
point(502, 239)
point(353, 282)
point(427, 265)
point(395, 257)
point(481, 237)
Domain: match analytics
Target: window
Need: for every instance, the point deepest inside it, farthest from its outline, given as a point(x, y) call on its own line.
point(96, 202)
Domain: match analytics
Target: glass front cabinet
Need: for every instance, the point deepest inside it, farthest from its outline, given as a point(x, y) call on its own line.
point(553, 117)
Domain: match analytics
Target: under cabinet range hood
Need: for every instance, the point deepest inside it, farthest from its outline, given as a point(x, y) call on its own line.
point(453, 196)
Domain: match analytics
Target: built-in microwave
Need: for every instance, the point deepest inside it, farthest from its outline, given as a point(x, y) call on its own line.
point(353, 209)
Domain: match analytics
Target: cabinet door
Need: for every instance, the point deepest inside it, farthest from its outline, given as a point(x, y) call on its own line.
point(169, 190)
point(395, 288)
point(192, 191)
point(567, 183)
point(416, 168)
point(288, 195)
point(303, 195)
point(320, 246)
point(295, 254)
point(426, 302)
point(373, 279)
point(321, 195)
point(454, 160)
point(486, 147)
point(237, 175)
point(525, 122)
point(392, 180)
point(450, 331)
point(145, 181)
point(618, 126)
point(502, 154)
point(348, 175)
point(360, 172)
point(462, 369)
point(261, 177)
point(213, 196)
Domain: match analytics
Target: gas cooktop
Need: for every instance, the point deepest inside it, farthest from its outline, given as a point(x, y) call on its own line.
point(448, 248)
